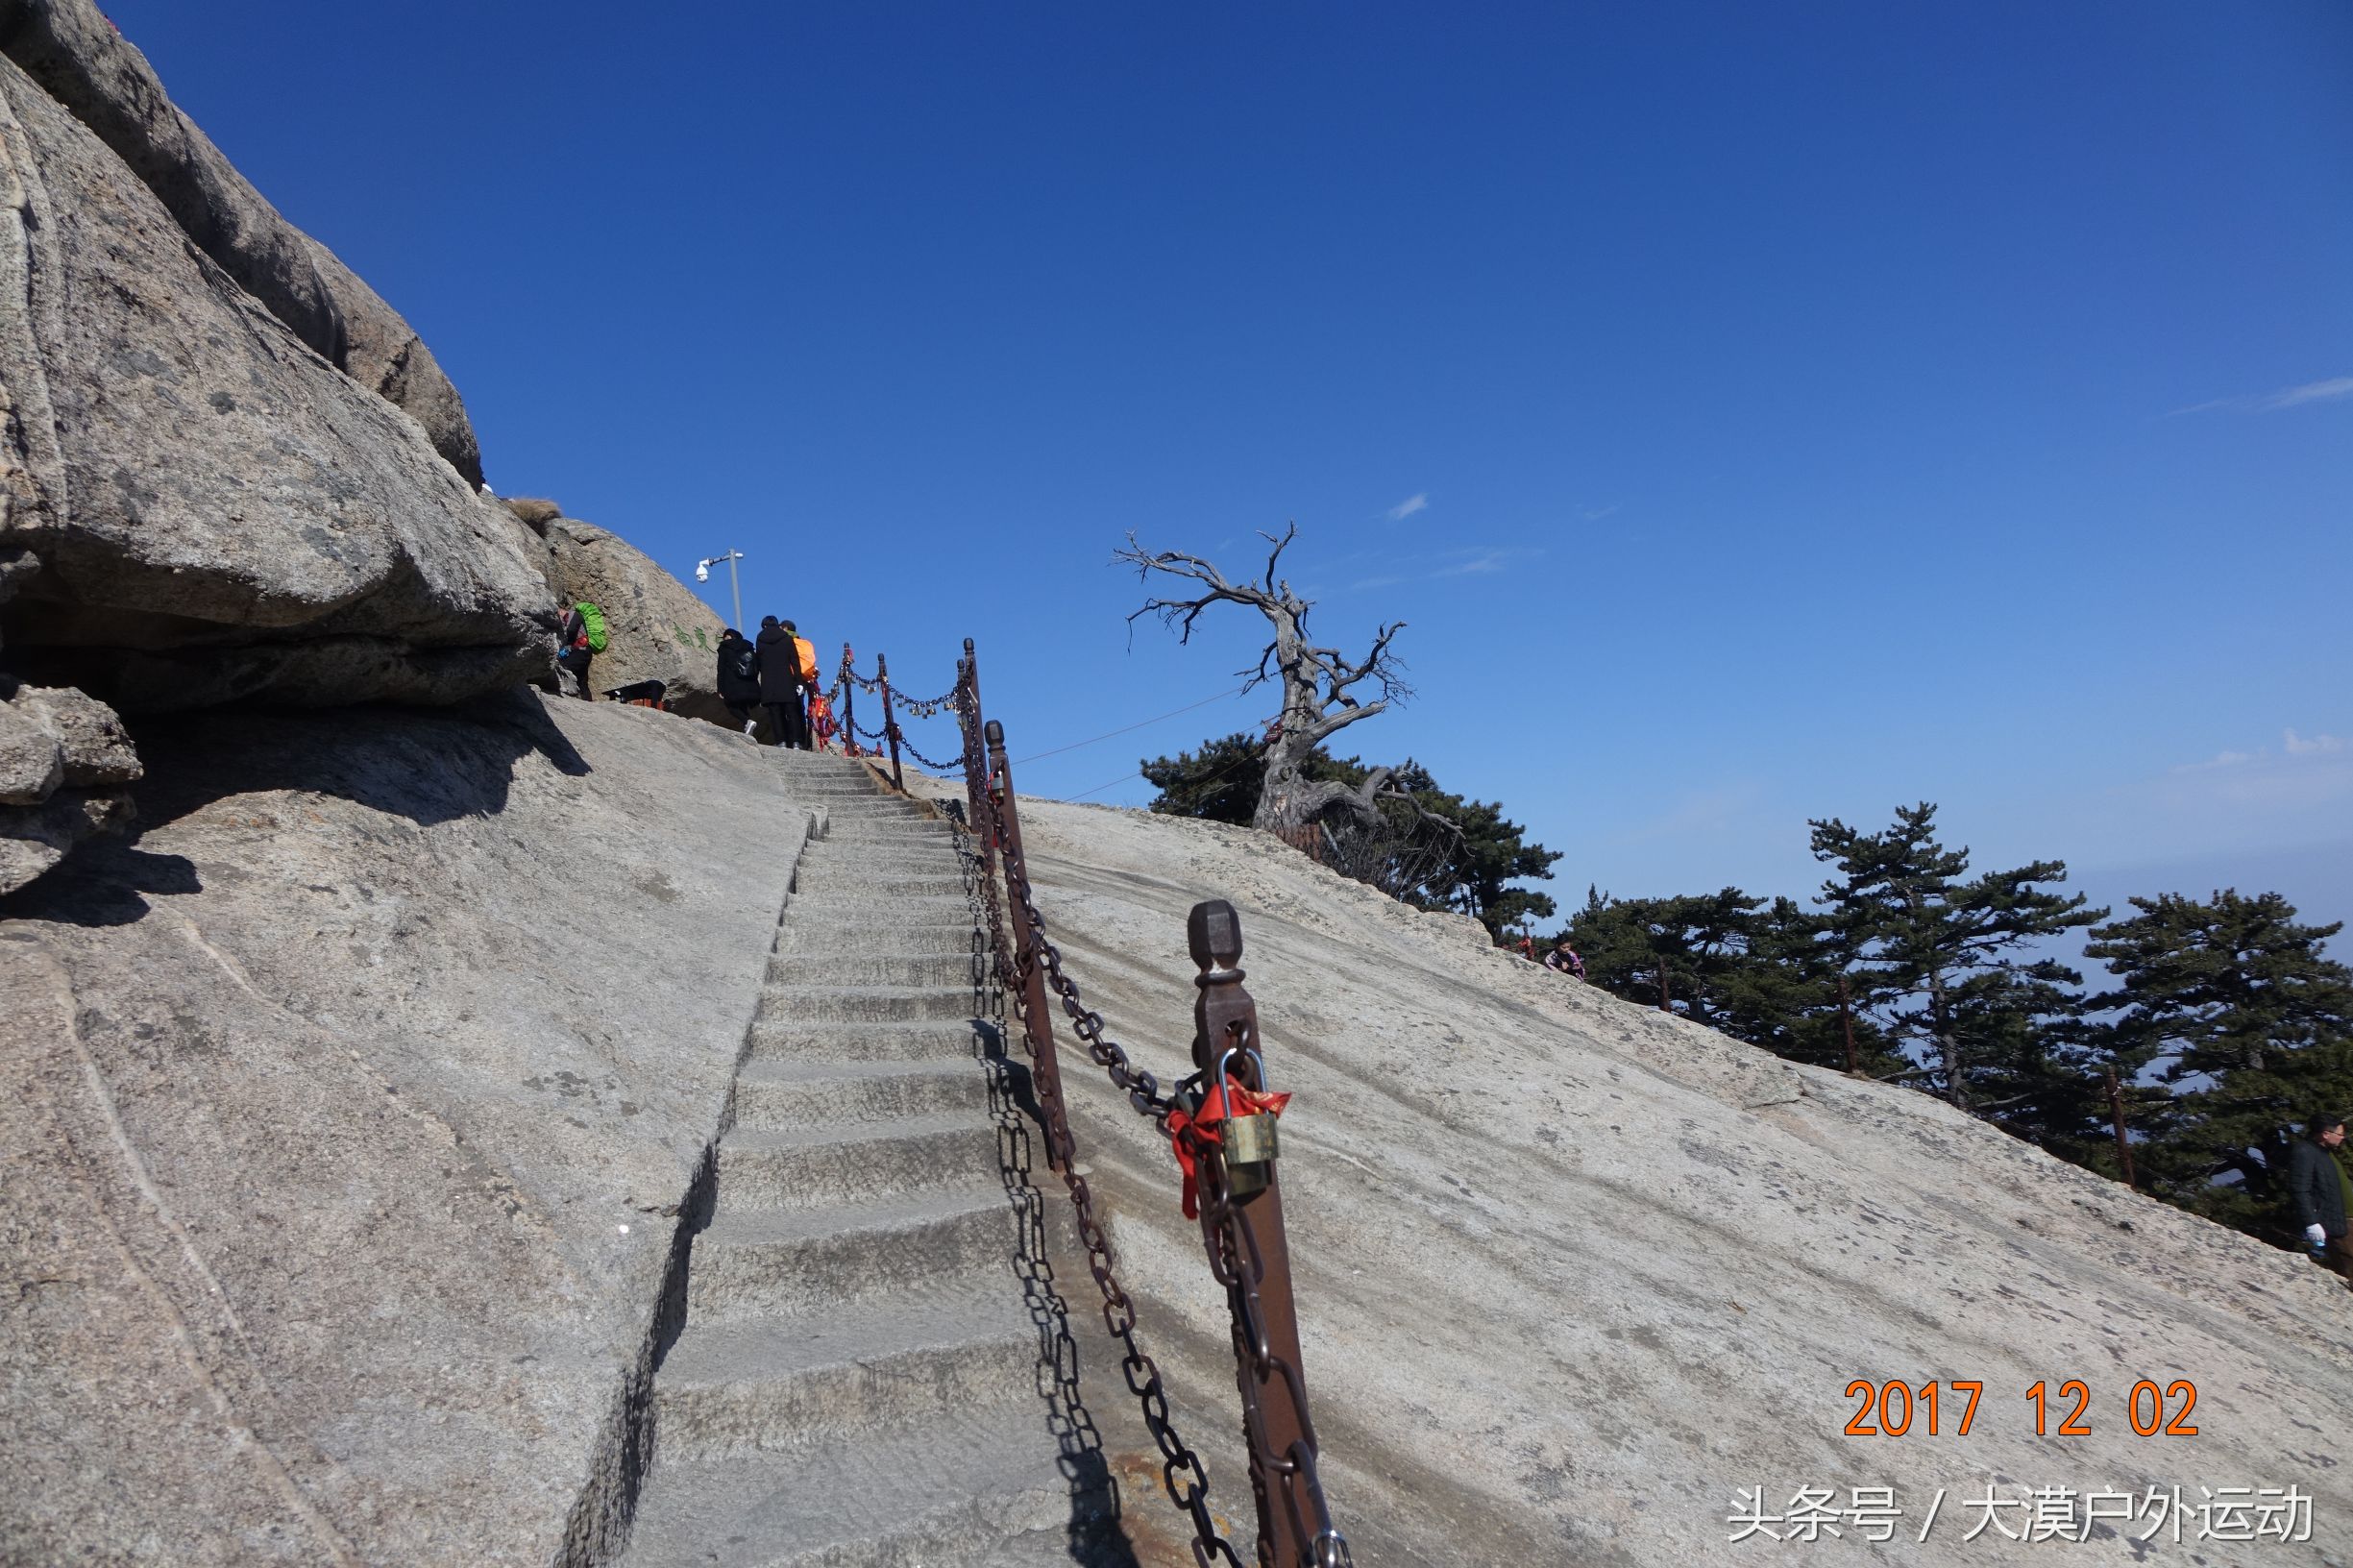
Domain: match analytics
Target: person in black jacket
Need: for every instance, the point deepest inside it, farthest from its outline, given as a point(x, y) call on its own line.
point(2317, 1193)
point(739, 677)
point(780, 683)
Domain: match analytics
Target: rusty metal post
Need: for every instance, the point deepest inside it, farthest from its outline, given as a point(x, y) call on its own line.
point(849, 709)
point(1666, 1003)
point(1845, 1021)
point(2124, 1144)
point(976, 758)
point(889, 726)
point(1268, 1369)
point(1029, 962)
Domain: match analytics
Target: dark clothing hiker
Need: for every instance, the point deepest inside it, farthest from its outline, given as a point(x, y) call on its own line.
point(2321, 1191)
point(780, 685)
point(738, 677)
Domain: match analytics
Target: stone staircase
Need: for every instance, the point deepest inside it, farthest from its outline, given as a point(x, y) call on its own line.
point(874, 1367)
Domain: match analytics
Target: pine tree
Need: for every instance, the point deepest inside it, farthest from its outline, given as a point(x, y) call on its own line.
point(1761, 973)
point(1642, 949)
point(1422, 844)
point(1946, 959)
point(2231, 1003)
point(1221, 781)
point(1784, 996)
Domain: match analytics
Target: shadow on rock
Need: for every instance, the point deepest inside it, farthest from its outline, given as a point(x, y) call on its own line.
point(423, 766)
point(105, 884)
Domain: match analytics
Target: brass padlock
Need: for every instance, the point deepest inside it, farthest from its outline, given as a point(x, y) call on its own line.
point(1249, 1141)
point(1250, 1150)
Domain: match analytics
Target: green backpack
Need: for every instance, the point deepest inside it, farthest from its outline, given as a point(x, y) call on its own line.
point(593, 619)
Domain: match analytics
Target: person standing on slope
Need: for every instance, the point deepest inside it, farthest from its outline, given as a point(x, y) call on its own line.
point(2320, 1193)
point(779, 681)
point(804, 660)
point(578, 643)
point(739, 677)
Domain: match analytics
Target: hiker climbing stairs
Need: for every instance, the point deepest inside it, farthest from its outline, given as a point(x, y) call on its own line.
point(858, 1380)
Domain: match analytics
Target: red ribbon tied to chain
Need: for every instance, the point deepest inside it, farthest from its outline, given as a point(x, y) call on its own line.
point(1191, 1133)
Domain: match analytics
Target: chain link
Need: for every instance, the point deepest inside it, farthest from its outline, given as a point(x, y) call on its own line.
point(907, 746)
point(1182, 1473)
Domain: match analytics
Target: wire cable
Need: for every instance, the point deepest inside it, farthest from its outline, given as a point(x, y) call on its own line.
point(1138, 725)
point(1221, 773)
point(1100, 788)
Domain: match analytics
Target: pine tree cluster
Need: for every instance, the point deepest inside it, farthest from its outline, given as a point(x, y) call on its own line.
point(2226, 1026)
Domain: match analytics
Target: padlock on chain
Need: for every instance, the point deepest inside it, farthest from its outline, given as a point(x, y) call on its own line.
point(1249, 1141)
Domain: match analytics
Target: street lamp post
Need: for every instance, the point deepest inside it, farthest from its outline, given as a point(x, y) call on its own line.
point(703, 574)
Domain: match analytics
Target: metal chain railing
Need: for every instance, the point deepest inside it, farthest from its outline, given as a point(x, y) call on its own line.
point(907, 746)
point(1182, 1472)
point(1243, 1234)
point(1237, 1232)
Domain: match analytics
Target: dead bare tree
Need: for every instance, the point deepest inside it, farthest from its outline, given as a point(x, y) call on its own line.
point(1317, 683)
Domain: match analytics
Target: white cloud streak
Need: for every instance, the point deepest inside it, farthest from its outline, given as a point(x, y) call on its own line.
point(2271, 403)
point(1486, 560)
point(1408, 506)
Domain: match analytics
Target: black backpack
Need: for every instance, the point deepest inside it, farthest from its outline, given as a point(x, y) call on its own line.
point(743, 663)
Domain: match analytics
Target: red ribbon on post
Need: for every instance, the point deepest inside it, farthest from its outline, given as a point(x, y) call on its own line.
point(1191, 1133)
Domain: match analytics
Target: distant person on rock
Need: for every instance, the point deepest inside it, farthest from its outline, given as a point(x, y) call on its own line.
point(781, 684)
point(1563, 960)
point(2320, 1193)
point(739, 677)
point(581, 639)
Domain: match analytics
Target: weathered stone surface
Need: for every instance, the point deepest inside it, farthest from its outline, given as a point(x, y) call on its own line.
point(388, 359)
point(1571, 1273)
point(70, 48)
point(31, 762)
point(345, 1118)
point(659, 630)
point(95, 749)
point(35, 839)
point(107, 84)
point(218, 513)
point(63, 757)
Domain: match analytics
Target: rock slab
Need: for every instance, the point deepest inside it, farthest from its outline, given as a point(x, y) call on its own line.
point(64, 759)
point(345, 1115)
point(1571, 1273)
point(219, 513)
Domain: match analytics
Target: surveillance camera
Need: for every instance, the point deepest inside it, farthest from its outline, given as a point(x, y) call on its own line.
point(703, 572)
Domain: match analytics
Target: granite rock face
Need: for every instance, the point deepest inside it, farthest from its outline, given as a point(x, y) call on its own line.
point(70, 48)
point(75, 54)
point(345, 1118)
point(217, 511)
point(324, 1102)
point(659, 630)
point(64, 760)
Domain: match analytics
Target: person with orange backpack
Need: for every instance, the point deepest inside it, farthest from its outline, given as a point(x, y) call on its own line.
point(804, 660)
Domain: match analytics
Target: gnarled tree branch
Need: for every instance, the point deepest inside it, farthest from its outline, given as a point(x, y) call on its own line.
point(1317, 682)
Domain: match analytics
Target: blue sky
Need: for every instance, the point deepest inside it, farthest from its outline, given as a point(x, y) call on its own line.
point(1756, 412)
